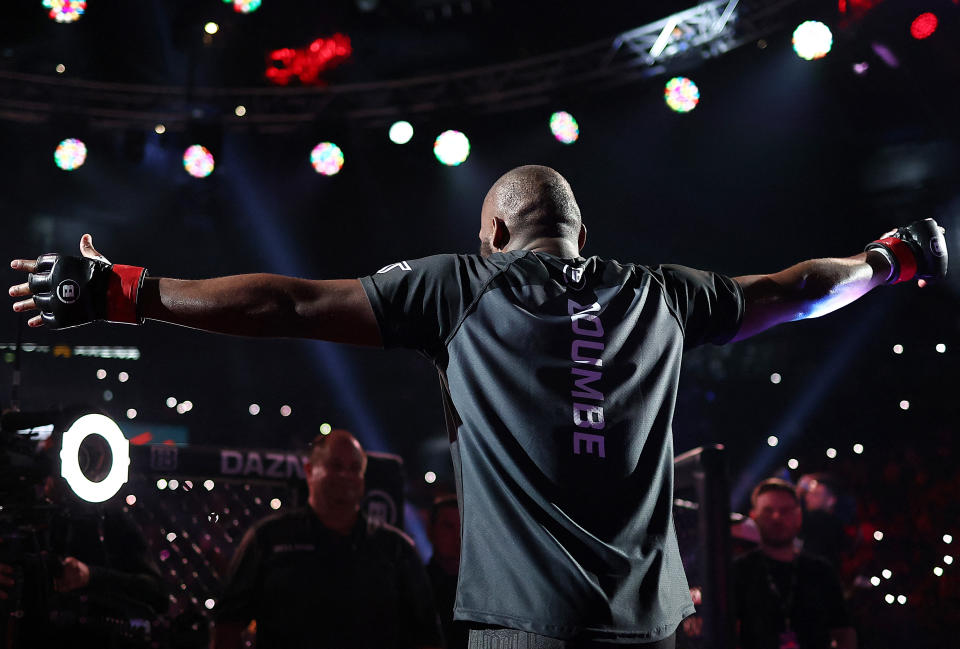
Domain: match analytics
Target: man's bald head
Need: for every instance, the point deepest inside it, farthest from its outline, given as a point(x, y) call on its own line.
point(533, 202)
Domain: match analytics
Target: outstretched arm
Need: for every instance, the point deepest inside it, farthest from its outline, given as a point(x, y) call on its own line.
point(808, 290)
point(245, 305)
point(819, 286)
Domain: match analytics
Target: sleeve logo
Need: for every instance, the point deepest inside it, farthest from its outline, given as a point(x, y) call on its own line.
point(402, 265)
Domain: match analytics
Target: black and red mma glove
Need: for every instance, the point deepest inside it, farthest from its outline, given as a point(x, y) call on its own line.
point(915, 251)
point(71, 291)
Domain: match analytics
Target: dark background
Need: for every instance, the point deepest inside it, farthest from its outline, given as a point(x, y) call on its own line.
point(783, 160)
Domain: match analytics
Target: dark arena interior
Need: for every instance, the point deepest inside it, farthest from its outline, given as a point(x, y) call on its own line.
point(714, 135)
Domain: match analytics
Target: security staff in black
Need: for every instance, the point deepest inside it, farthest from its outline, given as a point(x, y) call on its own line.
point(324, 577)
point(559, 375)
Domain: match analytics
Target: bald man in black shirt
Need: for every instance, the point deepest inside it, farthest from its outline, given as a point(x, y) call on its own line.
point(558, 375)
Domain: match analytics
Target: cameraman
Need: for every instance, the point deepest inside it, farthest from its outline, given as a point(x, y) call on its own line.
point(88, 577)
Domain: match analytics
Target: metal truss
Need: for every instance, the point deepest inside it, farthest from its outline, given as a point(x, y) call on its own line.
point(675, 42)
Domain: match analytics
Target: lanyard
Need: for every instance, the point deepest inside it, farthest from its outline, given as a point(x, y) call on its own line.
point(785, 601)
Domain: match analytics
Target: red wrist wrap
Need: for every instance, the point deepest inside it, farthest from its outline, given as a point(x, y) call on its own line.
point(901, 250)
point(122, 293)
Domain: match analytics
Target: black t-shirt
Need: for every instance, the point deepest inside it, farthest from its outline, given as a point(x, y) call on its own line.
point(559, 379)
point(311, 588)
point(817, 600)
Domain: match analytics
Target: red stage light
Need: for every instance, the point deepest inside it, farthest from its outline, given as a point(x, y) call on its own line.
point(307, 63)
point(923, 26)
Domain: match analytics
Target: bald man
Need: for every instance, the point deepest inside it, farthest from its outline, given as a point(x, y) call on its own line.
point(558, 375)
point(324, 577)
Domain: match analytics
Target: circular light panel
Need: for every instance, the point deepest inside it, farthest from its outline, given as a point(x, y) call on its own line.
point(198, 161)
point(94, 492)
point(681, 94)
point(70, 154)
point(564, 127)
point(327, 158)
point(451, 148)
point(812, 40)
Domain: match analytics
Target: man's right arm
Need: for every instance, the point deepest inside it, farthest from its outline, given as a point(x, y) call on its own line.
point(808, 290)
point(819, 286)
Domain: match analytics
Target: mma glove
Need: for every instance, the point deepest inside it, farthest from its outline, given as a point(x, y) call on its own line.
point(918, 250)
point(71, 291)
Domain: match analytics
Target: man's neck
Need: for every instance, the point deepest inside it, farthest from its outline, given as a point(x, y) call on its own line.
point(779, 553)
point(341, 522)
point(556, 246)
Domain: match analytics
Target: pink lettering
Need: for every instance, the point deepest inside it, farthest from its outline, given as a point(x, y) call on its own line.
point(592, 442)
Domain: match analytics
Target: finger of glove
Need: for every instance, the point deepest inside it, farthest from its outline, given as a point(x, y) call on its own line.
point(46, 262)
point(44, 318)
point(39, 282)
point(42, 302)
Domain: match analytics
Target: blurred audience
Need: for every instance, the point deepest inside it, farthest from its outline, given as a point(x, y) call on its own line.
point(444, 566)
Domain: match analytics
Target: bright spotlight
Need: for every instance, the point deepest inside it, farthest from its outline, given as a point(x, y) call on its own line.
point(240, 110)
point(131, 413)
point(888, 598)
point(904, 405)
point(947, 559)
point(923, 26)
point(171, 536)
point(901, 599)
point(285, 411)
point(564, 127)
point(772, 440)
point(325, 429)
point(812, 40)
point(775, 378)
point(65, 11)
point(70, 154)
point(211, 28)
point(171, 402)
point(831, 453)
point(209, 604)
point(451, 148)
point(941, 348)
point(105, 488)
point(948, 539)
point(198, 161)
point(938, 571)
point(886, 574)
point(159, 129)
point(875, 580)
point(401, 132)
point(254, 409)
point(327, 158)
point(101, 374)
point(275, 503)
point(123, 377)
point(243, 7)
point(681, 94)
point(858, 448)
point(792, 463)
point(878, 535)
point(173, 485)
point(131, 500)
point(208, 485)
point(898, 349)
point(161, 484)
point(429, 477)
point(61, 68)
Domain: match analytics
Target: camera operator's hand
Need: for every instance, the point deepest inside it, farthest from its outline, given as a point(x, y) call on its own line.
point(76, 574)
point(6, 580)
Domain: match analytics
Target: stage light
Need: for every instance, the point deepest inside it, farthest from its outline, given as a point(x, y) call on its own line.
point(244, 6)
point(159, 129)
point(161, 484)
point(772, 440)
point(198, 161)
point(108, 395)
point(681, 94)
point(889, 599)
point(904, 405)
point(61, 68)
point(327, 158)
point(325, 429)
point(858, 448)
point(101, 374)
point(187, 406)
point(208, 485)
point(70, 154)
point(123, 377)
point(172, 485)
point(875, 580)
point(941, 348)
point(181, 409)
point(564, 127)
point(275, 503)
point(792, 463)
point(878, 536)
point(947, 559)
point(171, 537)
point(254, 409)
point(285, 411)
point(923, 26)
point(861, 68)
point(240, 110)
point(451, 148)
point(106, 487)
point(775, 378)
point(886, 574)
point(131, 413)
point(812, 40)
point(131, 500)
point(831, 453)
point(401, 132)
point(938, 571)
point(898, 349)
point(901, 599)
point(429, 477)
point(211, 28)
point(209, 604)
point(947, 539)
point(65, 11)
point(171, 402)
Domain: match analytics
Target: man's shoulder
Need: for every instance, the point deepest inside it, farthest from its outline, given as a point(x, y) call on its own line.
point(814, 563)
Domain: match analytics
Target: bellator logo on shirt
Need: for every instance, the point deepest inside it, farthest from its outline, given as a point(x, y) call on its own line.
point(402, 265)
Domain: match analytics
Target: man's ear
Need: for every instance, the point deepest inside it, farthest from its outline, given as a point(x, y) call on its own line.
point(501, 235)
point(582, 237)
